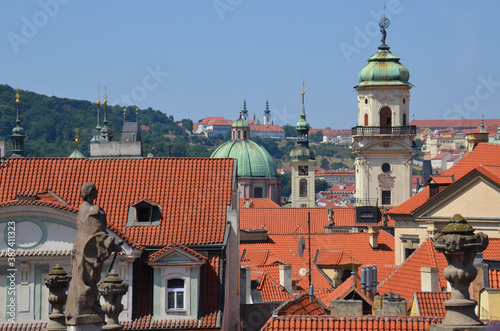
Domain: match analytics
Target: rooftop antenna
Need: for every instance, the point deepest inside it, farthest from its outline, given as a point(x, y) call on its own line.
point(311, 289)
point(384, 24)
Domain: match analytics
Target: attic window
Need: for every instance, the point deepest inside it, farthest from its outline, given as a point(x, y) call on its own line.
point(144, 212)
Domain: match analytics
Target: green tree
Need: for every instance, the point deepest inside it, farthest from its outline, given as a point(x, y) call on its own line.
point(290, 131)
point(316, 137)
point(320, 185)
point(325, 164)
point(286, 184)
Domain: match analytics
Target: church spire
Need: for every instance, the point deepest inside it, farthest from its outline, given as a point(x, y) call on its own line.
point(18, 135)
point(244, 112)
point(267, 113)
point(302, 150)
point(106, 131)
point(76, 153)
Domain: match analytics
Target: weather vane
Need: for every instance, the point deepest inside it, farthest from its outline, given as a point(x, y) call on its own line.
point(384, 24)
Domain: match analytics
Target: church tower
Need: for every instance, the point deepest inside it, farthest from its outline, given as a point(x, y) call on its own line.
point(267, 114)
point(302, 161)
point(244, 112)
point(18, 135)
point(383, 138)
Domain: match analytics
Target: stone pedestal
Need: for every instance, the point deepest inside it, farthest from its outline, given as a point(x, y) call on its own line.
point(460, 245)
point(57, 281)
point(112, 289)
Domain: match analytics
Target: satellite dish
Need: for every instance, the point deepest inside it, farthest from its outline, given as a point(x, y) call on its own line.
point(303, 271)
point(302, 246)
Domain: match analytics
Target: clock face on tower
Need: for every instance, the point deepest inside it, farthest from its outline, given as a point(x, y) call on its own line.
point(303, 170)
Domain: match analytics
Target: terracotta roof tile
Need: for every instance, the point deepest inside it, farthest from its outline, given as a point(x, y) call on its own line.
point(270, 290)
point(348, 323)
point(406, 279)
point(430, 304)
point(122, 182)
point(494, 277)
point(301, 305)
point(492, 252)
point(259, 203)
point(184, 248)
point(484, 154)
point(283, 249)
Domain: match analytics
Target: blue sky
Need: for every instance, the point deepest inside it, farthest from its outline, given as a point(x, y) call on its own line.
point(193, 59)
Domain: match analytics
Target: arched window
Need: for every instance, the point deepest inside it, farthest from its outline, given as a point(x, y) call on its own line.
point(303, 187)
point(404, 119)
point(257, 192)
point(366, 119)
point(239, 134)
point(175, 294)
point(244, 135)
point(385, 120)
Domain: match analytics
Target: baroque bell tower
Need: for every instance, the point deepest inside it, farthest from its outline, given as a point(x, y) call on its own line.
point(383, 138)
point(302, 162)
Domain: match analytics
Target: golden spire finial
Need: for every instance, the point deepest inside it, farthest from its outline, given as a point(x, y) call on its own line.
point(98, 95)
point(17, 94)
point(105, 96)
point(303, 85)
point(136, 111)
point(76, 136)
point(124, 111)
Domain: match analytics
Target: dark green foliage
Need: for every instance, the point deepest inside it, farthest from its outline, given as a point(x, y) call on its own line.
point(316, 137)
point(286, 184)
point(320, 185)
point(290, 130)
point(50, 122)
point(324, 164)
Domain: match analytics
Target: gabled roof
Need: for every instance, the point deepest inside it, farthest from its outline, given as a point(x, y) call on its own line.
point(194, 192)
point(172, 249)
point(406, 279)
point(430, 304)
point(484, 158)
point(301, 305)
point(270, 290)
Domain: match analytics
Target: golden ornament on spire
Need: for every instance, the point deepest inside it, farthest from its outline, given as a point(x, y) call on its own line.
point(136, 111)
point(17, 94)
point(105, 96)
point(98, 95)
point(303, 85)
point(124, 111)
point(76, 136)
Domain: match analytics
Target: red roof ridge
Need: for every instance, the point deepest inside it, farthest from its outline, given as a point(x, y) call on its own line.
point(184, 248)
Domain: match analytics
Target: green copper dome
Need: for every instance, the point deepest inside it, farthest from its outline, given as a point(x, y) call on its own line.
point(253, 159)
point(18, 131)
point(302, 124)
point(240, 123)
point(384, 68)
point(302, 153)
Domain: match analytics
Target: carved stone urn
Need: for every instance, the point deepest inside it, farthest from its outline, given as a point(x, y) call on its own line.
point(57, 281)
point(460, 245)
point(112, 289)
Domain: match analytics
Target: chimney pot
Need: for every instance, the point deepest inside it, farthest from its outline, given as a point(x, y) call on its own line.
point(373, 232)
point(286, 277)
point(429, 278)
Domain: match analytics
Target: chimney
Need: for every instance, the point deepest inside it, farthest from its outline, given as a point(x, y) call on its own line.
point(286, 277)
point(247, 203)
point(429, 279)
point(245, 286)
point(373, 232)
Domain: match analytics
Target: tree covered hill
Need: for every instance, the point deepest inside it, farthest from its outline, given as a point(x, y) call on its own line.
point(50, 123)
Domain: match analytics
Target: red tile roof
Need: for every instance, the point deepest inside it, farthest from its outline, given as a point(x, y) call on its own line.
point(492, 252)
point(283, 249)
point(494, 277)
point(171, 246)
point(348, 323)
point(484, 154)
point(406, 279)
point(193, 192)
point(259, 203)
point(301, 305)
point(266, 128)
point(271, 291)
point(454, 123)
point(430, 304)
point(293, 220)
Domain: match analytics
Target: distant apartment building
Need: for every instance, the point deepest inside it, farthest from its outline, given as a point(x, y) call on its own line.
point(338, 137)
point(338, 177)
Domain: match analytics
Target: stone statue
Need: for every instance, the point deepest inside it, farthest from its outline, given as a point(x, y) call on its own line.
point(384, 34)
point(92, 247)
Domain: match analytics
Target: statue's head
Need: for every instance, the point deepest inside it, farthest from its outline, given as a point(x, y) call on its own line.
point(88, 189)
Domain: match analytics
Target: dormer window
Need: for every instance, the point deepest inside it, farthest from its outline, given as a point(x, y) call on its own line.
point(175, 294)
point(144, 212)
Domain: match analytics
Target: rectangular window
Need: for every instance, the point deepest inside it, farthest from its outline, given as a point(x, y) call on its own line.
point(386, 198)
point(175, 294)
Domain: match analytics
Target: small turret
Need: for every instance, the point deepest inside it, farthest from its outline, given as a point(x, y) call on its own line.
point(18, 135)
